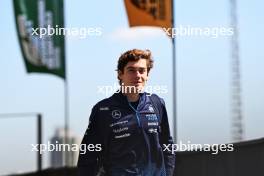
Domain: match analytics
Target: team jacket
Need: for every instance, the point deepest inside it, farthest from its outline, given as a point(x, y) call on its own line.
point(129, 141)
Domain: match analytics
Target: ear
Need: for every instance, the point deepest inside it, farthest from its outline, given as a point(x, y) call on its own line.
point(147, 78)
point(119, 74)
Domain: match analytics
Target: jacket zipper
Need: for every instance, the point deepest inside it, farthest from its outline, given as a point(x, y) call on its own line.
point(137, 114)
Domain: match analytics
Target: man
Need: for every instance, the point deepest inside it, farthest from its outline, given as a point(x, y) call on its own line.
point(130, 127)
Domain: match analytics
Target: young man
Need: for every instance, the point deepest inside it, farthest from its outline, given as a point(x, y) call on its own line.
point(128, 132)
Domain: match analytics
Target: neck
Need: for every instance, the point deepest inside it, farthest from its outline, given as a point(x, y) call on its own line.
point(132, 97)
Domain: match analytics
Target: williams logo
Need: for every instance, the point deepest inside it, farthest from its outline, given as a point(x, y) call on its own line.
point(151, 109)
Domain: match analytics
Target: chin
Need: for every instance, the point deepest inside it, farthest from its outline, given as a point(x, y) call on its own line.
point(138, 86)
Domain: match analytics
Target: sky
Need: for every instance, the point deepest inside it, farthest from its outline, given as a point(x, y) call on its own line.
point(203, 66)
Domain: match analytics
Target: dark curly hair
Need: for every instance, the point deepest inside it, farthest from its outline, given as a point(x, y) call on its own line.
point(134, 55)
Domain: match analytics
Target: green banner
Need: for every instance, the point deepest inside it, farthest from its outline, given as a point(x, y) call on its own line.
point(42, 46)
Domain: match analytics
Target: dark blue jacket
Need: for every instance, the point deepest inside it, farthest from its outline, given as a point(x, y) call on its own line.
point(130, 140)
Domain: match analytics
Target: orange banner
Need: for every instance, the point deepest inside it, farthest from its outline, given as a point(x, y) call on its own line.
point(149, 13)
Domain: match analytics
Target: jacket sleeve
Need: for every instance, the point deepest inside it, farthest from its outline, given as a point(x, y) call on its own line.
point(166, 139)
point(91, 147)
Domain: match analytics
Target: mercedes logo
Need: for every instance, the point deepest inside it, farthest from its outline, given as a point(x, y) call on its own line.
point(116, 114)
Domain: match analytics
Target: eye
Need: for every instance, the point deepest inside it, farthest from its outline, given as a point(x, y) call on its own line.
point(134, 70)
point(142, 70)
point(131, 70)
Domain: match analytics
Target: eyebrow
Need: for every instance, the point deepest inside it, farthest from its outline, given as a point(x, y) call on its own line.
point(136, 67)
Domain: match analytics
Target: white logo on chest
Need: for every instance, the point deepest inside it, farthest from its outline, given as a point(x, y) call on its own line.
point(116, 114)
point(151, 109)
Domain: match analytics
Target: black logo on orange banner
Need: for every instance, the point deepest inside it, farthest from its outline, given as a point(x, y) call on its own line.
point(156, 8)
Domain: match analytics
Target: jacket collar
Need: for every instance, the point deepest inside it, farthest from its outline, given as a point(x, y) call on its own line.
point(121, 99)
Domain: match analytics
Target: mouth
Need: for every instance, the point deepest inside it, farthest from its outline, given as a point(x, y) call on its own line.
point(136, 83)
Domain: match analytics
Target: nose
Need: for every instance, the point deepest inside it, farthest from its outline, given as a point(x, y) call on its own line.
point(138, 74)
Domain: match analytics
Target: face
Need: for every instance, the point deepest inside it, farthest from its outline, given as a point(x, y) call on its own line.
point(134, 74)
